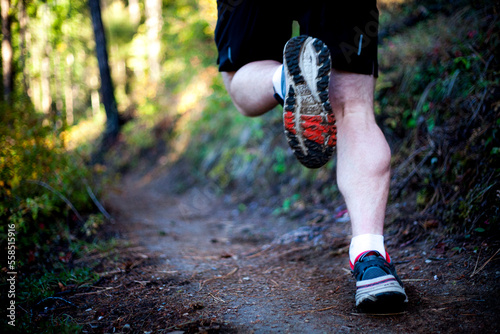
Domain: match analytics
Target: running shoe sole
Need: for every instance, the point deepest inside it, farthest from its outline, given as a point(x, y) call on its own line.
point(381, 294)
point(307, 114)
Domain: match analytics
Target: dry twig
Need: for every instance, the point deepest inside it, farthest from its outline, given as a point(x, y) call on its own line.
point(347, 271)
point(340, 251)
point(260, 252)
point(293, 250)
point(477, 261)
point(216, 298)
point(318, 310)
point(143, 283)
point(484, 265)
point(96, 292)
point(61, 196)
point(97, 203)
point(214, 278)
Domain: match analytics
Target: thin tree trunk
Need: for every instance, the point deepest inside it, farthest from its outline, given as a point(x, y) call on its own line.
point(95, 102)
point(154, 23)
point(57, 87)
point(23, 43)
point(7, 67)
point(45, 84)
point(107, 89)
point(33, 82)
point(34, 92)
point(68, 90)
point(45, 47)
point(134, 11)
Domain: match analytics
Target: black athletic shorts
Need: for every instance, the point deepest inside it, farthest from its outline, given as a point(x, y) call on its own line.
point(251, 30)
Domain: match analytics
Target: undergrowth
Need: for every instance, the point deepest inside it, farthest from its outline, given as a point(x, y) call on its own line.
point(46, 210)
point(438, 102)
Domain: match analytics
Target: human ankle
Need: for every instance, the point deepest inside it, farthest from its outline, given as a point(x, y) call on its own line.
point(366, 242)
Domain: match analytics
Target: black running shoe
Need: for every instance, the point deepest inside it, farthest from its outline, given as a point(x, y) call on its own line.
point(307, 114)
point(378, 287)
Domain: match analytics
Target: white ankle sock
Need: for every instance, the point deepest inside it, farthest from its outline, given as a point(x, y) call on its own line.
point(366, 242)
point(277, 80)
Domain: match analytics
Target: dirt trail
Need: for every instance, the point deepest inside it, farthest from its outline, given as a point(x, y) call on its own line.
point(207, 267)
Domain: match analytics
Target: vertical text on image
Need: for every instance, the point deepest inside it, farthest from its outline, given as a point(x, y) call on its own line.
point(12, 274)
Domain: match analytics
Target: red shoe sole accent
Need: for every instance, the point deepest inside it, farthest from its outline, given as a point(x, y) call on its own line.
point(313, 128)
point(289, 120)
point(308, 119)
point(316, 130)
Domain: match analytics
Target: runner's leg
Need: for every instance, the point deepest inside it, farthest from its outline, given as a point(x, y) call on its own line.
point(363, 154)
point(250, 36)
point(251, 87)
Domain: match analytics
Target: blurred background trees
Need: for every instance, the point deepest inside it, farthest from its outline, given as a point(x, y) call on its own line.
point(73, 71)
point(107, 87)
point(6, 49)
point(49, 53)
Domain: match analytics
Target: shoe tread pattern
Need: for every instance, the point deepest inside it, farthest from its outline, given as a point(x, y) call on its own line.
point(316, 154)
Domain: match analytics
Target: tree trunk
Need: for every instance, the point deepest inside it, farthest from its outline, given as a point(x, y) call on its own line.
point(154, 23)
point(23, 43)
point(95, 102)
point(68, 90)
point(46, 50)
point(134, 11)
point(7, 67)
point(107, 89)
point(45, 84)
point(34, 92)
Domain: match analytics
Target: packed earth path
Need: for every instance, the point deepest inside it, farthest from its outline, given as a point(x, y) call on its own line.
point(198, 261)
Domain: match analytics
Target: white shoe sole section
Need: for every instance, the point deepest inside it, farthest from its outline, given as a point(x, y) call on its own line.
point(308, 63)
point(306, 95)
point(371, 289)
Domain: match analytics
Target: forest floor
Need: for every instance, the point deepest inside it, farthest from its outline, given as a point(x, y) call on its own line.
point(192, 262)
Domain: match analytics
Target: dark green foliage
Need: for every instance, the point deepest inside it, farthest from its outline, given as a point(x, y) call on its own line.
point(36, 173)
point(440, 109)
point(44, 199)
